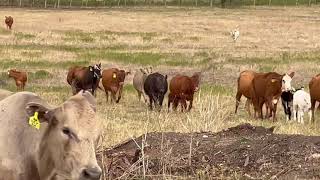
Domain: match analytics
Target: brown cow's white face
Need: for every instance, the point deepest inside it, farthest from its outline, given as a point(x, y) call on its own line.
point(286, 82)
point(70, 139)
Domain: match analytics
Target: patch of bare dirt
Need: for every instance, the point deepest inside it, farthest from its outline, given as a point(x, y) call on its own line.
point(246, 151)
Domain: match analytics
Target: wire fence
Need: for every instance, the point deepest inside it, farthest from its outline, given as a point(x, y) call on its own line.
point(124, 3)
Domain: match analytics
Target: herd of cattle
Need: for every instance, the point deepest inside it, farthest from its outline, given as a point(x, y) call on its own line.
point(267, 88)
point(259, 88)
point(147, 83)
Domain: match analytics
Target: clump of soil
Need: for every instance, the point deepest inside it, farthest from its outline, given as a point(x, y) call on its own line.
point(243, 151)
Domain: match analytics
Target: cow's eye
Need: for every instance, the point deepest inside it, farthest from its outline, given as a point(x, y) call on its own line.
point(66, 131)
point(283, 81)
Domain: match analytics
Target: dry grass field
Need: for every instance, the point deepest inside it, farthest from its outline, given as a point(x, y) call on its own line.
point(46, 43)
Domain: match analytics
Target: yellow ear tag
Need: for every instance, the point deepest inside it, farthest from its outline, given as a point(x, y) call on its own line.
point(34, 121)
point(114, 75)
point(273, 80)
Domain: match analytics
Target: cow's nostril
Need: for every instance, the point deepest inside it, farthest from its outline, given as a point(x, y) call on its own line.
point(91, 174)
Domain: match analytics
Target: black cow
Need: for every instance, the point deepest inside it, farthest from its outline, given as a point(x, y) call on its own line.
point(287, 100)
point(156, 86)
point(84, 78)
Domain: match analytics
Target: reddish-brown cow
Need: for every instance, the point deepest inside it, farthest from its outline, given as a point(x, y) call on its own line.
point(314, 87)
point(113, 80)
point(182, 89)
point(267, 88)
point(9, 21)
point(20, 77)
point(245, 88)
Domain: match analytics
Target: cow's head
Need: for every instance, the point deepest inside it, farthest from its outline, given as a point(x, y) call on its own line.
point(68, 144)
point(286, 81)
point(96, 69)
point(122, 75)
point(11, 72)
point(196, 80)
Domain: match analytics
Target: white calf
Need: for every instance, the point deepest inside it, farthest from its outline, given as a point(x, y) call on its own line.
point(235, 34)
point(301, 104)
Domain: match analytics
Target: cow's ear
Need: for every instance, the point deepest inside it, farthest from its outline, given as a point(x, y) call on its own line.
point(166, 76)
point(90, 68)
point(129, 72)
point(143, 71)
point(291, 74)
point(90, 98)
point(44, 114)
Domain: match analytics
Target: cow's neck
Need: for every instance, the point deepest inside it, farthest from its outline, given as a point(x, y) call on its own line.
point(44, 158)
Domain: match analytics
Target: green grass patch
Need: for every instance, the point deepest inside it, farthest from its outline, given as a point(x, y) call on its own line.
point(41, 74)
point(4, 31)
point(216, 89)
point(6, 64)
point(20, 35)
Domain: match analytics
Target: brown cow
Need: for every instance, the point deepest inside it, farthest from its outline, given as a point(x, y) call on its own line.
point(267, 88)
point(314, 88)
point(84, 78)
point(182, 89)
point(245, 88)
point(20, 77)
point(9, 21)
point(113, 80)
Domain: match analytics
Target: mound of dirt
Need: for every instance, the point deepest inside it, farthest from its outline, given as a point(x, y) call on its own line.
point(243, 151)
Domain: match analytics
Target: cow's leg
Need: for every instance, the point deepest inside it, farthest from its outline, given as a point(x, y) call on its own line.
point(191, 103)
point(144, 97)
point(247, 106)
point(238, 97)
point(170, 99)
point(310, 115)
point(120, 94)
point(151, 100)
point(295, 113)
point(313, 103)
point(107, 95)
point(139, 95)
point(274, 108)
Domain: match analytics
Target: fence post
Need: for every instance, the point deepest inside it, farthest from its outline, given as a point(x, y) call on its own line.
point(70, 4)
point(58, 4)
point(211, 3)
point(45, 3)
point(269, 2)
point(20, 3)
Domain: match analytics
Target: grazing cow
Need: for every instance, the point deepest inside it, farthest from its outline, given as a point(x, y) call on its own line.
point(20, 77)
point(84, 78)
point(38, 141)
point(113, 80)
point(4, 94)
point(267, 89)
point(9, 21)
point(314, 88)
point(138, 81)
point(156, 86)
point(182, 89)
point(244, 88)
point(301, 104)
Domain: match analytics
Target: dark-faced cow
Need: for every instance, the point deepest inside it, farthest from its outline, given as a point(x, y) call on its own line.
point(9, 21)
point(267, 89)
point(314, 88)
point(20, 77)
point(113, 81)
point(84, 78)
point(38, 141)
point(182, 89)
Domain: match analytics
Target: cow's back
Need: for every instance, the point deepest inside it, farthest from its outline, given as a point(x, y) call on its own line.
point(110, 82)
point(181, 84)
point(138, 81)
point(18, 140)
point(154, 83)
point(314, 87)
point(245, 82)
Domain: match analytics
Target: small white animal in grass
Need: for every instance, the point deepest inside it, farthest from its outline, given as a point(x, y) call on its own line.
point(235, 34)
point(301, 104)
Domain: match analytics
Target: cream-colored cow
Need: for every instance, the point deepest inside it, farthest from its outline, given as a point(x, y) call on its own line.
point(63, 147)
